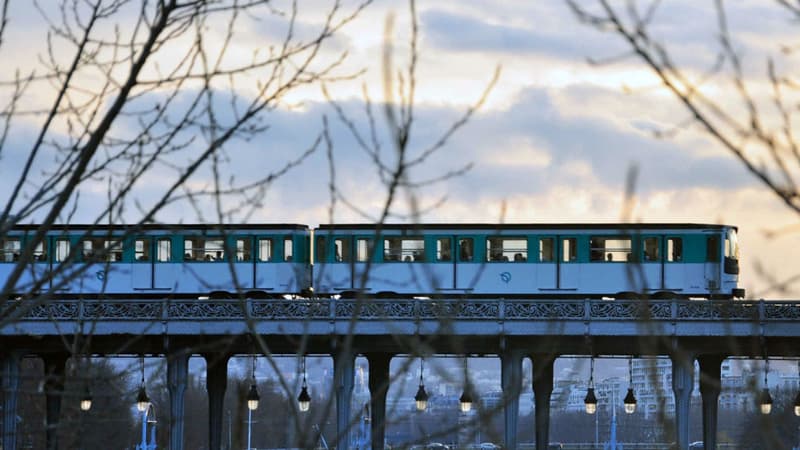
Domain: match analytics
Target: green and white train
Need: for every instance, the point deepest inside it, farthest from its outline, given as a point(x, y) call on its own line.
point(387, 260)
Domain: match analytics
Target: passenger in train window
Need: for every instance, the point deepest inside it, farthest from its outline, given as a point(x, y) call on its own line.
point(609, 257)
point(518, 257)
point(651, 251)
point(208, 257)
point(443, 249)
point(465, 249)
point(188, 257)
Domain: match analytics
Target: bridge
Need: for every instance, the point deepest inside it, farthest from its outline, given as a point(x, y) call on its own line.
point(541, 329)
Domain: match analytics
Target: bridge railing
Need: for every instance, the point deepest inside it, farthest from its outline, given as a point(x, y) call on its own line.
point(400, 309)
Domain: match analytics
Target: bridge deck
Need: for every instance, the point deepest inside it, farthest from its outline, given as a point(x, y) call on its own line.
point(743, 326)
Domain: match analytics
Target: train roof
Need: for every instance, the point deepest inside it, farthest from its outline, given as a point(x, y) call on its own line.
point(170, 227)
point(528, 226)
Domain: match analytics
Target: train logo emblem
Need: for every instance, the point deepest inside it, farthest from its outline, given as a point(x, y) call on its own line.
point(506, 277)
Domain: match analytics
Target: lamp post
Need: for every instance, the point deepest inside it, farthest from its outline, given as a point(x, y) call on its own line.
point(86, 399)
point(421, 399)
point(630, 399)
point(465, 401)
point(590, 401)
point(148, 416)
point(304, 399)
point(144, 405)
point(252, 404)
point(765, 400)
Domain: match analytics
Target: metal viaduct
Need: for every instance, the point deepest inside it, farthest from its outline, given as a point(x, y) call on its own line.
point(706, 331)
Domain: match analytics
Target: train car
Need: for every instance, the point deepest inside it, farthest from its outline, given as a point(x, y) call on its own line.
point(260, 261)
point(528, 260)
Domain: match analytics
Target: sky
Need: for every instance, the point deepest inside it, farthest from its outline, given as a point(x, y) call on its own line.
point(554, 141)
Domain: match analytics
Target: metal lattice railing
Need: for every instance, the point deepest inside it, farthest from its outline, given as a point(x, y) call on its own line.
point(402, 309)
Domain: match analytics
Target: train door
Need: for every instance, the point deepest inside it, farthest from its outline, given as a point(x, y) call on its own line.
point(546, 269)
point(142, 267)
point(363, 250)
point(674, 265)
point(62, 246)
point(467, 263)
point(568, 270)
point(340, 271)
point(164, 263)
point(153, 263)
point(41, 264)
point(712, 264)
point(441, 274)
point(243, 262)
point(265, 275)
point(652, 265)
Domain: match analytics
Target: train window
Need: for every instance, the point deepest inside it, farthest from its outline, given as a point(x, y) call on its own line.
point(732, 245)
point(39, 252)
point(674, 249)
point(141, 250)
point(288, 249)
point(188, 248)
point(97, 249)
point(214, 250)
point(203, 249)
point(265, 249)
point(404, 249)
point(62, 249)
point(569, 249)
point(506, 249)
point(244, 249)
point(363, 249)
point(342, 249)
point(11, 249)
point(712, 249)
point(466, 249)
point(610, 249)
point(114, 250)
point(164, 250)
point(88, 251)
point(443, 251)
point(546, 250)
point(651, 250)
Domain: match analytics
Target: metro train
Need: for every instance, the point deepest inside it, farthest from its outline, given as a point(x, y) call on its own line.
point(382, 261)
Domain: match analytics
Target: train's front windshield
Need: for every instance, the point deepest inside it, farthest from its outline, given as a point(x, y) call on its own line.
point(732, 244)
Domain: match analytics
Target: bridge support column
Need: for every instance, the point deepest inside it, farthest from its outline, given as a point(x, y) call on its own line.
point(10, 374)
point(710, 386)
point(54, 369)
point(378, 388)
point(343, 373)
point(216, 382)
point(177, 376)
point(682, 384)
point(542, 388)
point(511, 382)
